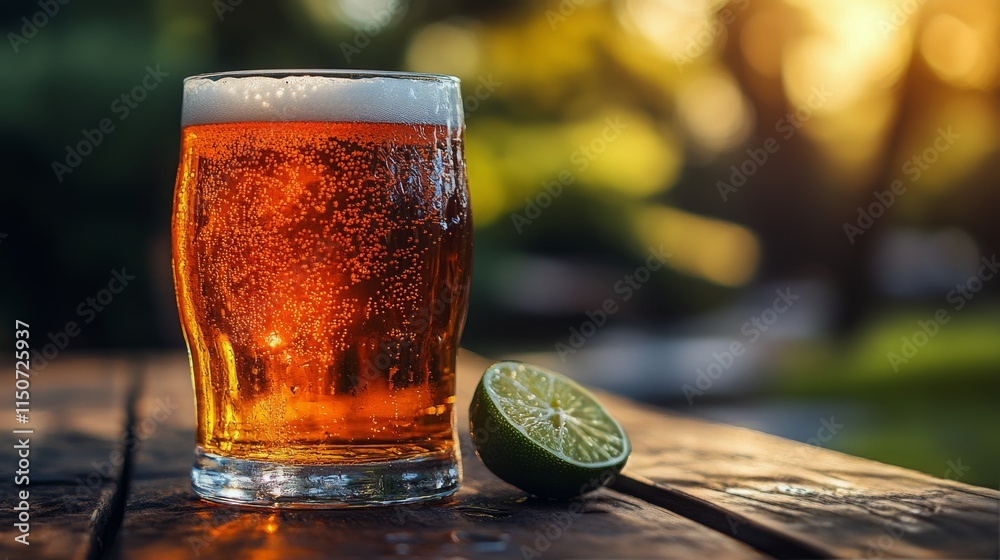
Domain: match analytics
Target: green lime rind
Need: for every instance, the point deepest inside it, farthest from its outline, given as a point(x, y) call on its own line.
point(544, 433)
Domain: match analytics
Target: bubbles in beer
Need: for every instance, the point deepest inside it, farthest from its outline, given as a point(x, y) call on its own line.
point(323, 272)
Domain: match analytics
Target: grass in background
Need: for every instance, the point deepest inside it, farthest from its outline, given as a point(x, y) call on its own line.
point(937, 413)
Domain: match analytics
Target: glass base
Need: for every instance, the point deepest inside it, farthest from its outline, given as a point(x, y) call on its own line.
point(274, 485)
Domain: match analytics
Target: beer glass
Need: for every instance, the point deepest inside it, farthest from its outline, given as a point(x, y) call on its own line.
point(321, 257)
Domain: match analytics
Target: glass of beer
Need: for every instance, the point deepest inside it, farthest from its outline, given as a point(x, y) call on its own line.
point(321, 256)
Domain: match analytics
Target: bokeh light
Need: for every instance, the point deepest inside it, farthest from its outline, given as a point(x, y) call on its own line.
point(745, 137)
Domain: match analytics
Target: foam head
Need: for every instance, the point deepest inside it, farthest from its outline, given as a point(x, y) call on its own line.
point(321, 96)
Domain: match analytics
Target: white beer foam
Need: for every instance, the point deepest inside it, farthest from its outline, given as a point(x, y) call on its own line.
point(319, 98)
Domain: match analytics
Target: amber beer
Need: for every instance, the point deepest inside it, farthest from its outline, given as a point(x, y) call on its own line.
point(321, 250)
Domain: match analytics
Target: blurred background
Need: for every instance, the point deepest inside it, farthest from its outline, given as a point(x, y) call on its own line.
point(791, 206)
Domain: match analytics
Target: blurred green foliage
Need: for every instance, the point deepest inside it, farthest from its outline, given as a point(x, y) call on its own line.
point(939, 406)
point(696, 83)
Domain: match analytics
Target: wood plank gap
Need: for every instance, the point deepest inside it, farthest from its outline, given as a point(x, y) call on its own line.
point(729, 523)
point(486, 520)
point(107, 518)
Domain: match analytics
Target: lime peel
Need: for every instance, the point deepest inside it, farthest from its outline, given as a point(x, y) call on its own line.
point(543, 432)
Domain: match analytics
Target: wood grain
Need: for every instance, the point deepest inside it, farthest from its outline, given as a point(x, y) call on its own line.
point(79, 449)
point(793, 500)
point(831, 503)
point(105, 427)
point(486, 519)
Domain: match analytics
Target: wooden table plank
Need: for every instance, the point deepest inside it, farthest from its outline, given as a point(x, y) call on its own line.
point(485, 519)
point(826, 502)
point(840, 505)
point(78, 452)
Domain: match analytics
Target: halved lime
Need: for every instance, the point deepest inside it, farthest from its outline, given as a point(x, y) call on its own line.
point(544, 433)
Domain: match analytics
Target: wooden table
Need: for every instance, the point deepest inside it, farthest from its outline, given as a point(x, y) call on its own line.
point(112, 447)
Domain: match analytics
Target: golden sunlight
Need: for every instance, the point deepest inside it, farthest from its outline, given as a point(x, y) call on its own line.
point(715, 250)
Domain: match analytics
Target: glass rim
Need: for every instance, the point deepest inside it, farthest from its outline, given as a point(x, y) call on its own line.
point(347, 74)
